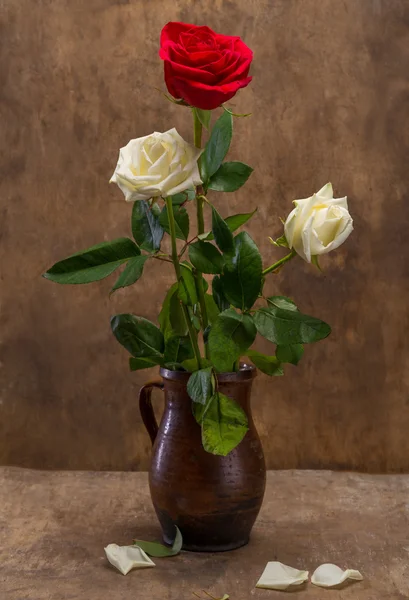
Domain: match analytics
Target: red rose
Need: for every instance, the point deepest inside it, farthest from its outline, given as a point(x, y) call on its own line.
point(202, 67)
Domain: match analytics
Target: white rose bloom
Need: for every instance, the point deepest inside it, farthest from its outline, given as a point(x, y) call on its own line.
point(318, 224)
point(160, 164)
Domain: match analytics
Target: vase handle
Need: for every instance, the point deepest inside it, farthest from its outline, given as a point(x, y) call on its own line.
point(146, 409)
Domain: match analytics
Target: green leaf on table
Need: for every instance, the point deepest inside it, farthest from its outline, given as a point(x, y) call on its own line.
point(200, 386)
point(204, 116)
point(178, 349)
point(205, 257)
point(230, 336)
point(137, 364)
point(224, 425)
point(218, 294)
point(285, 327)
point(282, 302)
point(290, 354)
point(217, 146)
point(183, 197)
point(181, 222)
point(230, 177)
point(233, 223)
point(158, 550)
point(132, 272)
point(269, 365)
point(93, 264)
point(139, 336)
point(187, 287)
point(221, 232)
point(146, 229)
point(241, 281)
point(211, 308)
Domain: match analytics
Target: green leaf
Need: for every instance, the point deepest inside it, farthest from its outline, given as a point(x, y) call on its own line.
point(146, 229)
point(199, 410)
point(224, 425)
point(205, 257)
point(233, 223)
point(187, 287)
point(218, 294)
point(139, 336)
point(314, 261)
point(236, 115)
point(164, 315)
point(230, 177)
point(243, 273)
point(211, 308)
point(281, 241)
point(269, 365)
point(290, 354)
point(136, 364)
point(204, 116)
point(178, 349)
point(158, 550)
point(93, 264)
point(230, 336)
point(285, 327)
point(217, 146)
point(181, 222)
point(183, 197)
point(199, 386)
point(191, 364)
point(282, 302)
point(221, 232)
point(131, 273)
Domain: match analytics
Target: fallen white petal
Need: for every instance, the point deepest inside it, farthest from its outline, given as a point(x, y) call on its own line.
point(329, 575)
point(277, 576)
point(125, 558)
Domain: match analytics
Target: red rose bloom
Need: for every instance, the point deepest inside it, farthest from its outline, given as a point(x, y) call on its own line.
point(202, 67)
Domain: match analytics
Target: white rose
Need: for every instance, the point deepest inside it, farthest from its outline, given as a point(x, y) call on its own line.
point(160, 164)
point(318, 224)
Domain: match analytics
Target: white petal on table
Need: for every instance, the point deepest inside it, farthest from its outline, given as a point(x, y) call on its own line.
point(125, 558)
point(329, 575)
point(277, 576)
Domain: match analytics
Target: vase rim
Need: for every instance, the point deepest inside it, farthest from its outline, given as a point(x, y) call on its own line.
point(245, 373)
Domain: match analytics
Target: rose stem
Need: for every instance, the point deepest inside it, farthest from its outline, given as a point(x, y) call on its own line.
point(200, 229)
point(279, 262)
point(175, 260)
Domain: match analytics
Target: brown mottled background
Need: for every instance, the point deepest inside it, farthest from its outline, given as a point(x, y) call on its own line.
point(330, 103)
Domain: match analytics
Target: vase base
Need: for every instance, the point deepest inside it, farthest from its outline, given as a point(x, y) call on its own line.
point(211, 547)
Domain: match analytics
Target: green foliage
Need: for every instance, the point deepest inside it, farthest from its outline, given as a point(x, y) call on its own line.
point(224, 425)
point(230, 176)
point(204, 116)
point(132, 272)
point(182, 197)
point(230, 336)
point(241, 281)
point(285, 327)
point(221, 232)
point(233, 223)
point(200, 385)
point(290, 354)
point(146, 229)
point(211, 308)
point(157, 550)
point(269, 365)
point(191, 365)
point(137, 364)
point(205, 257)
point(178, 349)
point(282, 302)
point(187, 287)
point(181, 221)
point(218, 294)
point(217, 146)
point(139, 336)
point(93, 264)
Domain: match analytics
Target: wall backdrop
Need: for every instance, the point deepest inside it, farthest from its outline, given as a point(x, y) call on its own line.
point(330, 103)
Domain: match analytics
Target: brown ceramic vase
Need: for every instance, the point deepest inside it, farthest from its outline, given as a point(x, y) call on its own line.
point(214, 500)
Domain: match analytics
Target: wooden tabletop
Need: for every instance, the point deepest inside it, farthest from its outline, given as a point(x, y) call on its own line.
point(54, 526)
